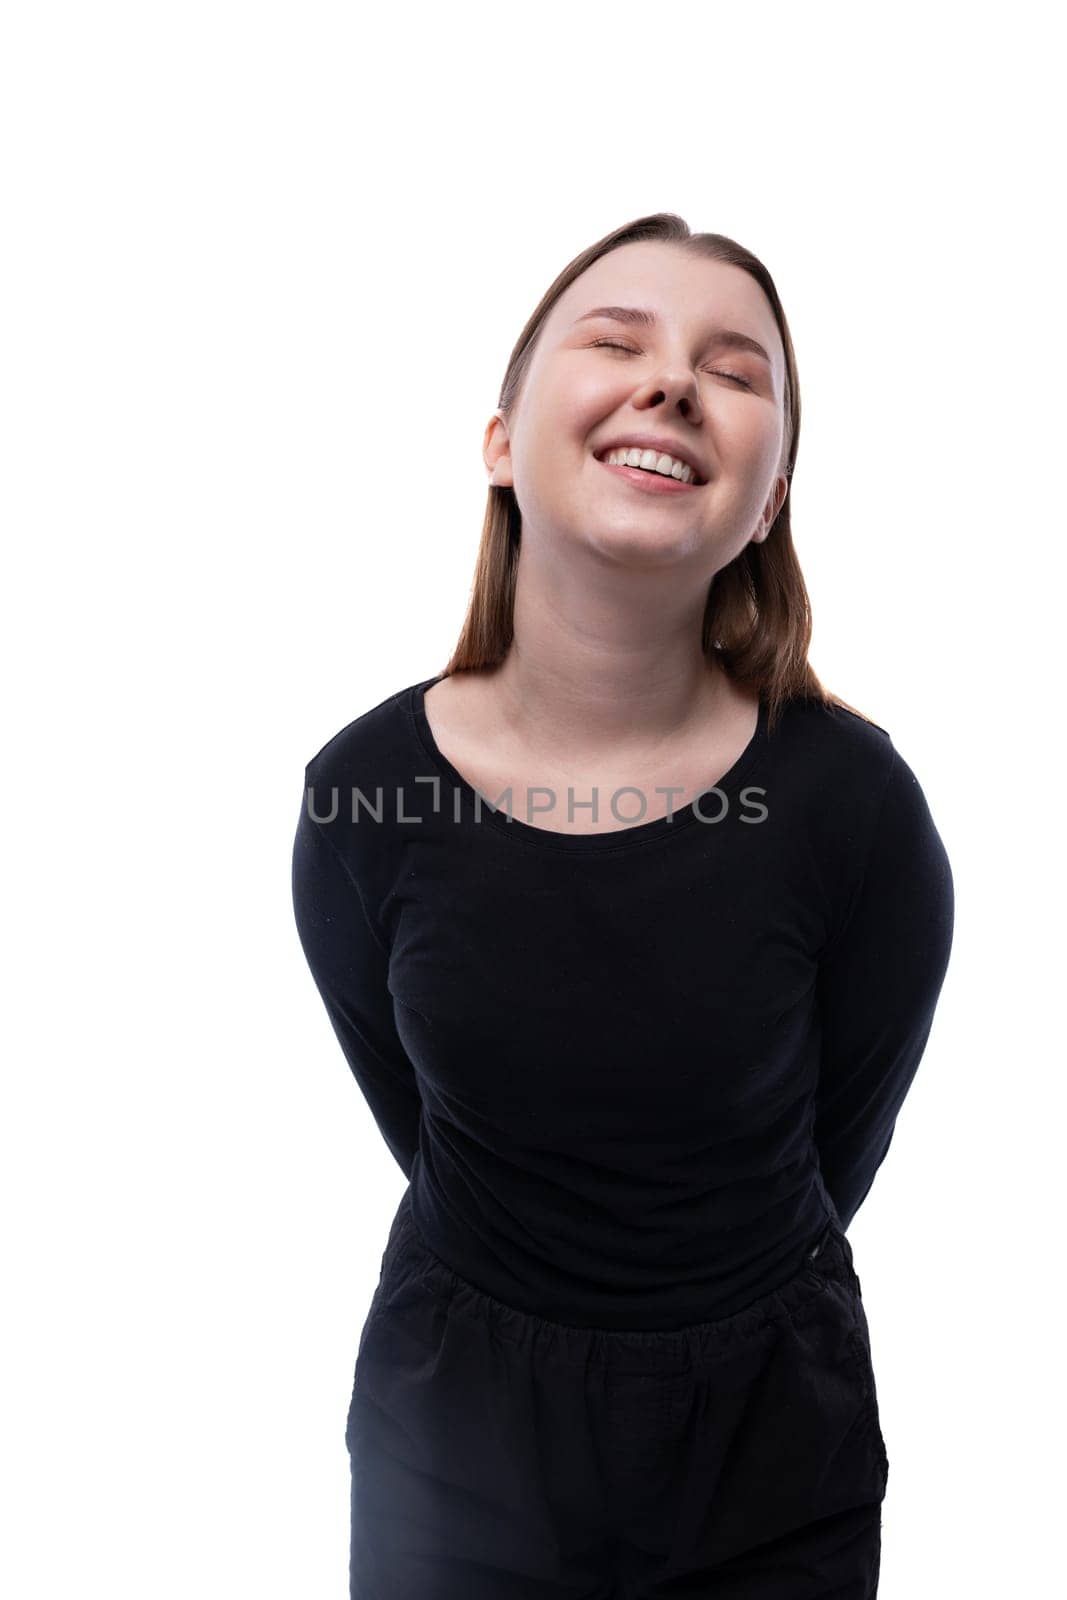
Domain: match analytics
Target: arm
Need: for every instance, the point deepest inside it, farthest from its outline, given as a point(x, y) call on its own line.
point(350, 968)
point(878, 986)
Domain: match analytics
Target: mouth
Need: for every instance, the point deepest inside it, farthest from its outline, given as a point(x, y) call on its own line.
point(649, 481)
point(696, 479)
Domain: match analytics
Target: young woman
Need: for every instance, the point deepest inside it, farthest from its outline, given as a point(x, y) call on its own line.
point(632, 935)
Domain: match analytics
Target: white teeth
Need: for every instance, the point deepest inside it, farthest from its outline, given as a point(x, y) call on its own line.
point(651, 462)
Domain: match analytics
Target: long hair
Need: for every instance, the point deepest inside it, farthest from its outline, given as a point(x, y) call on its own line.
point(757, 616)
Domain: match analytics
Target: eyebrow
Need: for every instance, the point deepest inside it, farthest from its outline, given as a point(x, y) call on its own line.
point(730, 337)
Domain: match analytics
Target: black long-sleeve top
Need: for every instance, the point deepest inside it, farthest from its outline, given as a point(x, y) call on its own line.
point(628, 1074)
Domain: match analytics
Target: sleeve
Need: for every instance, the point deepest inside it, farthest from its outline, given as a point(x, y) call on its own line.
point(350, 968)
point(878, 985)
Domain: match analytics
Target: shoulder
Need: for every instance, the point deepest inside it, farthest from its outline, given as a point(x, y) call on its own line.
point(842, 760)
point(865, 762)
point(375, 746)
point(351, 789)
point(829, 775)
point(353, 780)
point(859, 794)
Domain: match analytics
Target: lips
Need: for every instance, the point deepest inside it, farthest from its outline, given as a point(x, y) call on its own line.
point(653, 483)
point(661, 447)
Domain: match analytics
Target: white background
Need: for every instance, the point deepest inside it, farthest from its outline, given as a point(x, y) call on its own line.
point(263, 266)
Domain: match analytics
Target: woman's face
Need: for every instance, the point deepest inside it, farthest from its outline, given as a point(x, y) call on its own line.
point(676, 379)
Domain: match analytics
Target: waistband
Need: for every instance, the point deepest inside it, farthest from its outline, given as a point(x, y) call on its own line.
point(827, 1262)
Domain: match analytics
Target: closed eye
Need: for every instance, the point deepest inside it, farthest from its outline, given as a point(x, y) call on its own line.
point(718, 372)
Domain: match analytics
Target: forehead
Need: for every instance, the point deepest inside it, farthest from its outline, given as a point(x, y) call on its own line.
point(688, 293)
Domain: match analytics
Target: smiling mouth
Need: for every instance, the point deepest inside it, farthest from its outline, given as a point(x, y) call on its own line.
point(695, 481)
point(650, 482)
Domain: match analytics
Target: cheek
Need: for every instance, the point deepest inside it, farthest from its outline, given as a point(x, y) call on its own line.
point(750, 453)
point(580, 398)
point(559, 414)
point(584, 408)
point(767, 441)
point(562, 439)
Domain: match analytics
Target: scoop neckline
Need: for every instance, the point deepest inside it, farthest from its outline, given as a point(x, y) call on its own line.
point(546, 838)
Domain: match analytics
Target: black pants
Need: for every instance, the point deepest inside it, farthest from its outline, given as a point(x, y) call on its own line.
point(497, 1456)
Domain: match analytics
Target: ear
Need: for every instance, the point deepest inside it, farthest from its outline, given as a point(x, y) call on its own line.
point(774, 505)
point(496, 451)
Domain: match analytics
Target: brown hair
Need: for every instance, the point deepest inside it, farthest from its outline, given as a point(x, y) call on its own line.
point(757, 618)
